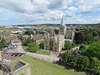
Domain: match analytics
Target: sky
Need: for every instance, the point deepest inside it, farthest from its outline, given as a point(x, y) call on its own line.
point(17, 12)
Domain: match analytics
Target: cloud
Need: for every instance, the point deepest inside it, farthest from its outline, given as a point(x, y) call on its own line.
point(3, 19)
point(21, 6)
point(87, 6)
point(49, 11)
point(56, 4)
point(71, 11)
point(0, 11)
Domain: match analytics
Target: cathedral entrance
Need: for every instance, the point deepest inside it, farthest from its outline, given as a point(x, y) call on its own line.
point(50, 48)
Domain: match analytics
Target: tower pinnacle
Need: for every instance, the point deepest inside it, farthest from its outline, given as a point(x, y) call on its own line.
point(62, 21)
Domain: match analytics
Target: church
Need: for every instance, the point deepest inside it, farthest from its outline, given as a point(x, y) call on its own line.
point(55, 41)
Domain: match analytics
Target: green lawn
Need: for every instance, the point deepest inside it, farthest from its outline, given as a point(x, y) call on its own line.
point(39, 52)
point(7, 30)
point(39, 67)
point(43, 52)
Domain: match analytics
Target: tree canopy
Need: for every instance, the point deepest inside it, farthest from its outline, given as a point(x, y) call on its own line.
point(28, 32)
point(82, 47)
point(41, 45)
point(32, 47)
point(94, 50)
point(89, 38)
point(68, 45)
point(26, 42)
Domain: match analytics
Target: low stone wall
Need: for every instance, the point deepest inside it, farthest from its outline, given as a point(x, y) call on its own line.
point(24, 69)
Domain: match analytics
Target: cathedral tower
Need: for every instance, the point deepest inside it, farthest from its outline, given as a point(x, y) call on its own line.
point(62, 28)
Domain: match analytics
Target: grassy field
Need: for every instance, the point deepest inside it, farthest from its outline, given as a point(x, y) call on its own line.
point(39, 52)
point(6, 30)
point(39, 67)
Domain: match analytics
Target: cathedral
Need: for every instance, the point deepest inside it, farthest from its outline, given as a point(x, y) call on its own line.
point(55, 41)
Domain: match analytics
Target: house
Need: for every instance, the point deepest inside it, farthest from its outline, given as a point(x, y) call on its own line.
point(37, 38)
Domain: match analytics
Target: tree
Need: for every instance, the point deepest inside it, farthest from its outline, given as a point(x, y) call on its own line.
point(79, 37)
point(82, 47)
point(26, 42)
point(95, 33)
point(85, 31)
point(95, 65)
point(68, 58)
point(84, 63)
point(1, 47)
point(28, 32)
point(89, 38)
point(74, 45)
point(41, 45)
point(32, 47)
point(93, 50)
point(4, 43)
point(68, 45)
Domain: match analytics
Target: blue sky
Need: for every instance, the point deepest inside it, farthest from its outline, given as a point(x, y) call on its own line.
point(14, 12)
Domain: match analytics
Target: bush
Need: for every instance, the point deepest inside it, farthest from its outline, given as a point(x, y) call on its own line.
point(26, 42)
point(41, 45)
point(82, 47)
point(68, 45)
point(32, 47)
point(84, 63)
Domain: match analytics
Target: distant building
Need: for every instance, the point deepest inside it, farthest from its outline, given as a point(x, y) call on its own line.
point(37, 38)
point(56, 39)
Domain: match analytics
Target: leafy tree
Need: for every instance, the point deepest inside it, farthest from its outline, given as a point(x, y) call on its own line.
point(95, 65)
point(74, 45)
point(95, 33)
point(4, 43)
point(84, 63)
point(68, 45)
point(32, 47)
point(41, 45)
point(89, 38)
point(82, 47)
point(72, 60)
point(68, 58)
point(85, 31)
point(94, 50)
point(79, 37)
point(42, 32)
point(1, 47)
point(28, 32)
point(26, 42)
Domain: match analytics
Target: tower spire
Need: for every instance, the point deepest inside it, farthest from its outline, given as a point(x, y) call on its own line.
point(62, 21)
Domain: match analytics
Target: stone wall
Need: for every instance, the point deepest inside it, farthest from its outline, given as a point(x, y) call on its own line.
point(24, 69)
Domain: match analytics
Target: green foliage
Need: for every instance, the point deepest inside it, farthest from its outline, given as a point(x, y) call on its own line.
point(22, 74)
point(41, 32)
point(28, 32)
point(94, 32)
point(68, 58)
point(82, 47)
point(26, 42)
point(94, 50)
point(95, 65)
point(32, 47)
point(1, 46)
point(41, 45)
point(89, 38)
point(3, 43)
point(85, 31)
point(68, 45)
point(84, 63)
point(74, 45)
